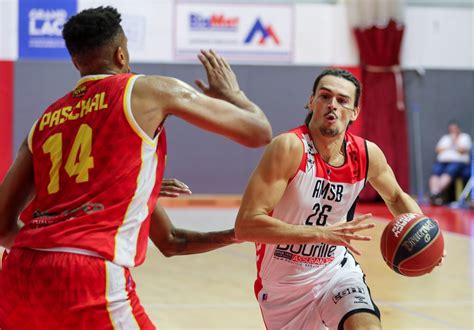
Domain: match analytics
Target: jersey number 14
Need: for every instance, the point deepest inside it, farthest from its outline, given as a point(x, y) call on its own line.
point(79, 161)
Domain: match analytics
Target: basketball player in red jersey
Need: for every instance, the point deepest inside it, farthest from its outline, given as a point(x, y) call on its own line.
point(172, 241)
point(93, 163)
point(299, 207)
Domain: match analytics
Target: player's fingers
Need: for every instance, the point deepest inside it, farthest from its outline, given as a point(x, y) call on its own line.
point(168, 194)
point(201, 85)
point(175, 189)
point(211, 57)
point(365, 226)
point(178, 183)
point(173, 182)
point(353, 249)
point(226, 64)
point(216, 57)
point(362, 218)
point(358, 237)
point(221, 61)
point(205, 61)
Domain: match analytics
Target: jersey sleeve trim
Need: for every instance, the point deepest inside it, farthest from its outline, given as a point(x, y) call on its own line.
point(30, 137)
point(304, 158)
point(127, 106)
point(366, 162)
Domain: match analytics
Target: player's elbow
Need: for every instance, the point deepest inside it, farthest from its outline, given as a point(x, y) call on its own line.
point(260, 136)
point(242, 230)
point(168, 249)
point(167, 245)
point(168, 253)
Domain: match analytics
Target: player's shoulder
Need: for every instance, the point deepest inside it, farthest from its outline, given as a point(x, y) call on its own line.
point(287, 142)
point(283, 155)
point(285, 148)
point(162, 83)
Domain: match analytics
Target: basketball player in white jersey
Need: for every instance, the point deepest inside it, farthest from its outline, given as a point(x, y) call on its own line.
point(299, 206)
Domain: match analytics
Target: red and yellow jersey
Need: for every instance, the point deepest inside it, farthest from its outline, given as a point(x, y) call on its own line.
point(97, 174)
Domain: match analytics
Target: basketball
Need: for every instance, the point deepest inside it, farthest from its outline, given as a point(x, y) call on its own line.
point(412, 244)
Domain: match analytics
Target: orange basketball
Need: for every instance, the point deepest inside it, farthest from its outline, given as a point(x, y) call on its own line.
point(412, 244)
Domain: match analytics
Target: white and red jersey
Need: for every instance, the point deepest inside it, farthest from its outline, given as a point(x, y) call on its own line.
point(97, 174)
point(318, 195)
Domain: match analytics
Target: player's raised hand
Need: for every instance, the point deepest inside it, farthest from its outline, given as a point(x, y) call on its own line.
point(173, 188)
point(342, 233)
point(222, 81)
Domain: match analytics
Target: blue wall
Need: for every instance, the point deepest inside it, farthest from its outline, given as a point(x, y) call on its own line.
point(211, 164)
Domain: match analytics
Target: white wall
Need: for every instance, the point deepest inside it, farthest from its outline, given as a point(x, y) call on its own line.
point(8, 30)
point(435, 38)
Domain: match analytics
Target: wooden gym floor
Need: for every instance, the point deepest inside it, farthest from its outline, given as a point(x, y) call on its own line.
point(215, 290)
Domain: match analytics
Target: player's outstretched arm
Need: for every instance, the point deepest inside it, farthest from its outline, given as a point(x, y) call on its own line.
point(173, 241)
point(265, 189)
point(222, 108)
point(15, 191)
point(381, 177)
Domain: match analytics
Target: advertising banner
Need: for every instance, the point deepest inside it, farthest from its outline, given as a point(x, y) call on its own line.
point(242, 32)
point(147, 25)
point(40, 26)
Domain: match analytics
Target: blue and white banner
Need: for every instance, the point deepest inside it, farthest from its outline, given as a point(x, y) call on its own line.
point(241, 32)
point(40, 28)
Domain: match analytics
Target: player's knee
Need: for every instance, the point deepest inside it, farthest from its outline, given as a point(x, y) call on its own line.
point(361, 321)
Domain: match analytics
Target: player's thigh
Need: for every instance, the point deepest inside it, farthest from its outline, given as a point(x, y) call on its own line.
point(347, 295)
point(362, 321)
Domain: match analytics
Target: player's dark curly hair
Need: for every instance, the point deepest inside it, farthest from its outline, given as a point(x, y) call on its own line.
point(337, 73)
point(91, 29)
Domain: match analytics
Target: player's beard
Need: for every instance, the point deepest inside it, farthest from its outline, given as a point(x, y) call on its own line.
point(328, 132)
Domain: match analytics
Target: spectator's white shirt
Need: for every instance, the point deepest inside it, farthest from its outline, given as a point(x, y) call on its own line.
point(450, 154)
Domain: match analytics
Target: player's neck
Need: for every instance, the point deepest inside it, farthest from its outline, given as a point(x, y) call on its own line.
point(331, 149)
point(98, 70)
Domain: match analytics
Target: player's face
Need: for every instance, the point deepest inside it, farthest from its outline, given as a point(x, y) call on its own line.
point(333, 106)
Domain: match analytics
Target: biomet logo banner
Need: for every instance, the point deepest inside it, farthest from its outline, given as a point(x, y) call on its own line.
point(243, 32)
point(40, 26)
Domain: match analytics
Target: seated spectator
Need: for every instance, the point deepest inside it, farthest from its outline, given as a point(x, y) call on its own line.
point(452, 161)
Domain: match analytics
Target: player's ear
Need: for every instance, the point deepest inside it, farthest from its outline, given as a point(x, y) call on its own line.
point(119, 57)
point(310, 102)
point(355, 113)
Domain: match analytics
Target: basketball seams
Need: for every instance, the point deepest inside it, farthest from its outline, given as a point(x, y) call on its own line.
point(418, 257)
point(433, 241)
point(407, 230)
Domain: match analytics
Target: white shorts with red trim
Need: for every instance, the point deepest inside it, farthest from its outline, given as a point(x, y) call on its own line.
point(319, 305)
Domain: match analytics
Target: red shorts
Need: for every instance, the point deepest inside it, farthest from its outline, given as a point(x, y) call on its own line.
point(56, 290)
